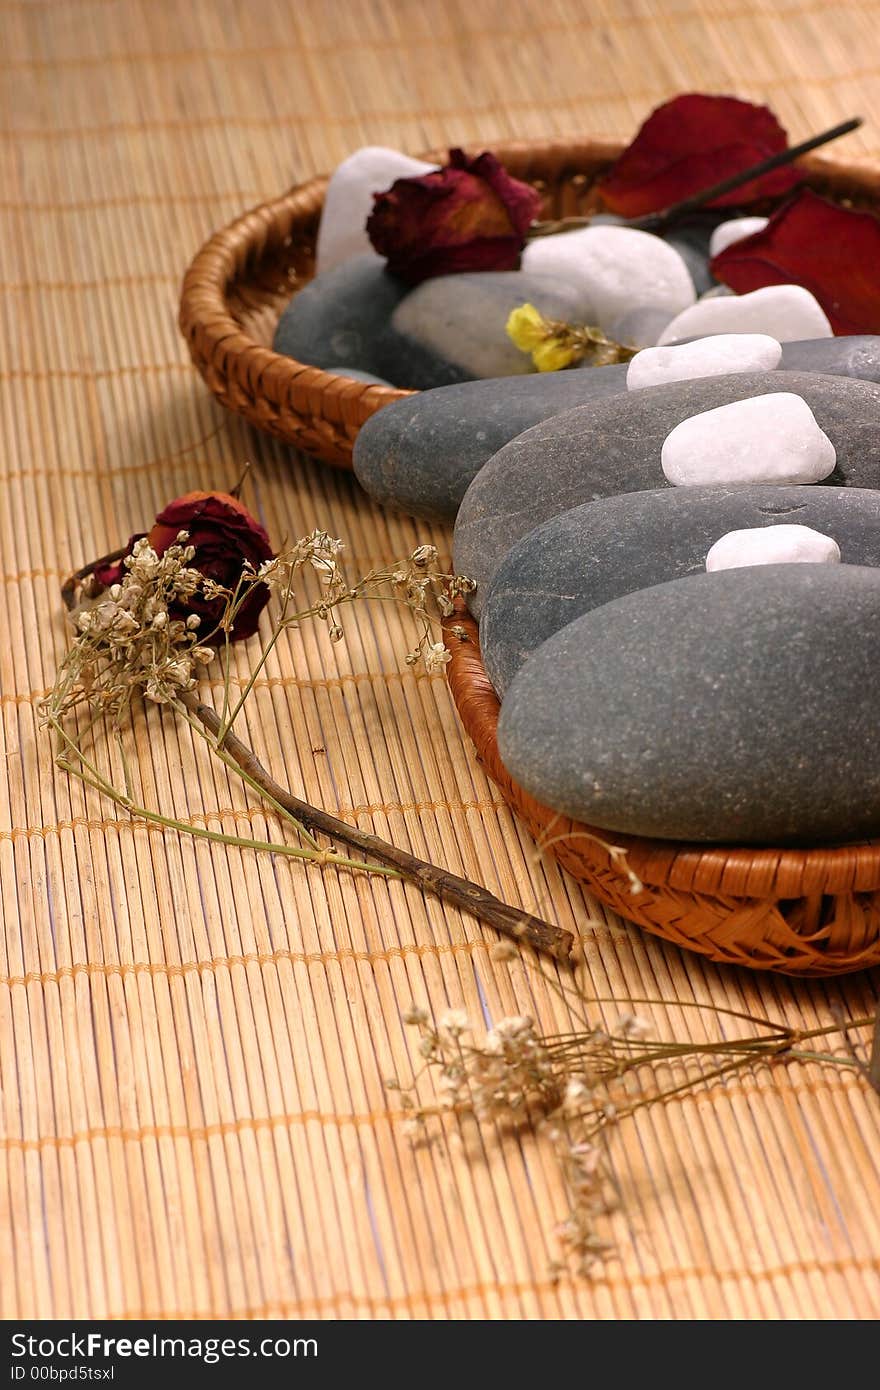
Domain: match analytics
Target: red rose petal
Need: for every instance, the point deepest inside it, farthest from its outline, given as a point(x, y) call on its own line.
point(832, 251)
point(690, 143)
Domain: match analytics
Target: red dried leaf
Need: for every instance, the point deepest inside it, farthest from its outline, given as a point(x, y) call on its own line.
point(832, 251)
point(690, 143)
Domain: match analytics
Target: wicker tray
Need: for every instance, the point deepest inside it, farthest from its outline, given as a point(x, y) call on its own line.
point(241, 279)
point(800, 912)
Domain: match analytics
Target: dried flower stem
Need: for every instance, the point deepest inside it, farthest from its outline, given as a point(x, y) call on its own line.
point(462, 893)
point(133, 640)
point(573, 1088)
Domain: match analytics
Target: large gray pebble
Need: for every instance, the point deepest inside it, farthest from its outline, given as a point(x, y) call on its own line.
point(602, 550)
point(613, 446)
point(422, 453)
point(738, 706)
point(462, 319)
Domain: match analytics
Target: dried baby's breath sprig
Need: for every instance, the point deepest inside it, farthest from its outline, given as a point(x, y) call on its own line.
point(554, 344)
point(139, 640)
point(574, 1089)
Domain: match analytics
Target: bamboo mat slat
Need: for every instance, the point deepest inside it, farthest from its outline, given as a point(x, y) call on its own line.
point(193, 1041)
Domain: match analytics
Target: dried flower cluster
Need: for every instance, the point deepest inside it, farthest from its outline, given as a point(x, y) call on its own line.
point(129, 640)
point(570, 1088)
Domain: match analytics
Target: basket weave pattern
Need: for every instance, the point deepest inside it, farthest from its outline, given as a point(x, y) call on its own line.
point(801, 912)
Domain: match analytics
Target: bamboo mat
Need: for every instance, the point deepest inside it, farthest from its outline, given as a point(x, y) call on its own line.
point(193, 1040)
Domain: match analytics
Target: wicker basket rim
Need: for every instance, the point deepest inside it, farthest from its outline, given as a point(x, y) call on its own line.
point(214, 268)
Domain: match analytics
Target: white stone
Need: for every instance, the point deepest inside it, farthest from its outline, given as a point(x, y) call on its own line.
point(348, 201)
point(736, 229)
point(765, 439)
point(717, 356)
point(773, 545)
point(619, 268)
point(786, 312)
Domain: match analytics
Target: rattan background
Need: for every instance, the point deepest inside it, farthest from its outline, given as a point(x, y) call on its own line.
point(193, 1042)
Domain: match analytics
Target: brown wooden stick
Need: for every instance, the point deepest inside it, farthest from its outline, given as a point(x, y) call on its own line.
point(470, 897)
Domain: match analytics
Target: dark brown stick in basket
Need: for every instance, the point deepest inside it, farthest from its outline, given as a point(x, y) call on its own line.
point(656, 221)
point(467, 896)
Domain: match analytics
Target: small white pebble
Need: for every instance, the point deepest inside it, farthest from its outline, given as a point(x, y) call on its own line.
point(736, 229)
point(715, 356)
point(786, 312)
point(773, 545)
point(765, 439)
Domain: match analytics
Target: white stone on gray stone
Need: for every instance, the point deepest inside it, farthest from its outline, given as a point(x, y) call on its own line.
point(718, 355)
point(785, 312)
point(766, 439)
point(783, 544)
point(614, 445)
point(737, 707)
point(602, 550)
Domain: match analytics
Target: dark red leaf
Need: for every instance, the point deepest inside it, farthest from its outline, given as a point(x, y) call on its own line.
point(832, 251)
point(690, 143)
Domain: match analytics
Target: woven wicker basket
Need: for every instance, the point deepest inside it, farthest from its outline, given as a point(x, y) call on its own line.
point(239, 282)
point(810, 912)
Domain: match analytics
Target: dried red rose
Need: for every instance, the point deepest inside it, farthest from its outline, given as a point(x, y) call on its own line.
point(470, 215)
point(690, 143)
point(224, 535)
point(832, 251)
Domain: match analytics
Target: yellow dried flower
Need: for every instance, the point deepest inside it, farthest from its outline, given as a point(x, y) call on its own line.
point(526, 327)
point(554, 345)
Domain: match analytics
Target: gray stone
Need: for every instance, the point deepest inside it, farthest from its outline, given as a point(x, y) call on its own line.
point(602, 550)
point(692, 244)
point(421, 454)
point(614, 445)
point(462, 319)
point(343, 318)
point(857, 356)
point(732, 707)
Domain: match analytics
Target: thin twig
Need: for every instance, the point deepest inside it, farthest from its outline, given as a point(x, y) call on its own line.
point(467, 896)
point(658, 221)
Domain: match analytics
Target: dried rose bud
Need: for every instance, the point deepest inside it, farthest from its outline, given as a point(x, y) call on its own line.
point(470, 215)
point(225, 537)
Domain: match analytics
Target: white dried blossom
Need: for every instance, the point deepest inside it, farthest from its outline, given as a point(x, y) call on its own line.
point(415, 1016)
point(436, 657)
point(455, 1022)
